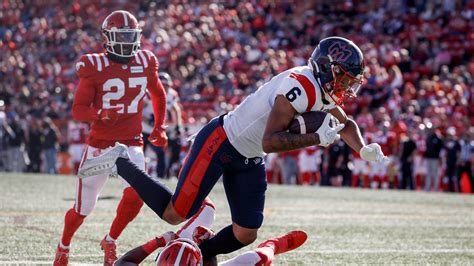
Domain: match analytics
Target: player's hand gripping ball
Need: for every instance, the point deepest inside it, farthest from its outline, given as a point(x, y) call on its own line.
point(318, 122)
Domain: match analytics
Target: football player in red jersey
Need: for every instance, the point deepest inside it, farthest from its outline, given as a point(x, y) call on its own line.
point(109, 97)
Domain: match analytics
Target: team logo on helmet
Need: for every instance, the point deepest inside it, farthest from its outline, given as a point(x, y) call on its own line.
point(339, 52)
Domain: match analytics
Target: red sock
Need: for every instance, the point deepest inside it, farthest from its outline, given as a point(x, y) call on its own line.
point(366, 181)
point(269, 176)
point(316, 178)
point(306, 177)
point(355, 180)
point(418, 182)
point(72, 221)
point(127, 210)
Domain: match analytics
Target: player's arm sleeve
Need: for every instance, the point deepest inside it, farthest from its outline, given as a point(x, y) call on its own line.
point(138, 254)
point(294, 93)
point(157, 93)
point(82, 109)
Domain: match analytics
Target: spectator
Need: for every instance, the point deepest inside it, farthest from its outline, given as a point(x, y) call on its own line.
point(452, 148)
point(466, 156)
point(289, 167)
point(5, 130)
point(34, 145)
point(434, 145)
point(309, 160)
point(336, 163)
point(50, 145)
point(16, 146)
point(407, 152)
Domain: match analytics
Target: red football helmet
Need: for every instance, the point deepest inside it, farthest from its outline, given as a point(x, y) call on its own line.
point(180, 252)
point(122, 33)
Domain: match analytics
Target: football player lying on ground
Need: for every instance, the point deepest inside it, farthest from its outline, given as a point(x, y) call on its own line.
point(233, 145)
point(183, 251)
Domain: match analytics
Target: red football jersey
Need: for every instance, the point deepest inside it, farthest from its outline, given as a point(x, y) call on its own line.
point(105, 84)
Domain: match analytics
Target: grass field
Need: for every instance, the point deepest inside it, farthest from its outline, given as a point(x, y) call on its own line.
point(344, 225)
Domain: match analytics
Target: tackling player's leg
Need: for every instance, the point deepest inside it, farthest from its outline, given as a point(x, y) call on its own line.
point(263, 255)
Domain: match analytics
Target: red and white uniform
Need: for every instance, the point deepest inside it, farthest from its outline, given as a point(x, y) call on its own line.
point(419, 162)
point(105, 84)
point(77, 135)
point(360, 166)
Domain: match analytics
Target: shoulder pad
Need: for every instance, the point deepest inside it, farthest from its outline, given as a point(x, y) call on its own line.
point(300, 91)
point(147, 59)
point(89, 64)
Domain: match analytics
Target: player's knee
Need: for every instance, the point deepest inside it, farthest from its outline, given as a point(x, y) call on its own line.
point(85, 208)
point(132, 200)
point(171, 216)
point(245, 236)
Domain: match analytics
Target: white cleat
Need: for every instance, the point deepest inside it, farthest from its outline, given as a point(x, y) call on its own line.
point(104, 163)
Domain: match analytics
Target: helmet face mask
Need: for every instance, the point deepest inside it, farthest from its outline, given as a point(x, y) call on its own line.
point(338, 66)
point(122, 34)
point(343, 86)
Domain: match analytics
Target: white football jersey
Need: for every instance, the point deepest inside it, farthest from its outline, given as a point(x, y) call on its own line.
point(246, 124)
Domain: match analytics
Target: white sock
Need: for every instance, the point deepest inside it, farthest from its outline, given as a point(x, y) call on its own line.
point(247, 258)
point(205, 217)
point(108, 238)
point(63, 246)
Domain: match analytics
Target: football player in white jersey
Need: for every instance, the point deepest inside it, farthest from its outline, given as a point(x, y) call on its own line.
point(233, 145)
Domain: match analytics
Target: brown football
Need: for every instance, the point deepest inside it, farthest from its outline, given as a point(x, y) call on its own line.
point(308, 122)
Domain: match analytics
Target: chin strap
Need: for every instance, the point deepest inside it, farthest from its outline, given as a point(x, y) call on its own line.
point(118, 59)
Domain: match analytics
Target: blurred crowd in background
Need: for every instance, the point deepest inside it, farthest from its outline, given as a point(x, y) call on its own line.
point(417, 101)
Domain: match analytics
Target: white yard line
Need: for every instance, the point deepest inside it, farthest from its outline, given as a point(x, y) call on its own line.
point(375, 251)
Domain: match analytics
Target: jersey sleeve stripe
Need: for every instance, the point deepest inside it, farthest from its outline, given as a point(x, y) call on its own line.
point(99, 62)
point(308, 87)
point(145, 62)
point(137, 58)
point(91, 59)
point(106, 60)
point(148, 54)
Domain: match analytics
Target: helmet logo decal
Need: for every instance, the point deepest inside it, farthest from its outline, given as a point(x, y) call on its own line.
point(339, 52)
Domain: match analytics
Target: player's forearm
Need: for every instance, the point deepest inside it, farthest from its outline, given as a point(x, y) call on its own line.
point(138, 254)
point(178, 114)
point(351, 135)
point(284, 141)
point(133, 257)
point(158, 100)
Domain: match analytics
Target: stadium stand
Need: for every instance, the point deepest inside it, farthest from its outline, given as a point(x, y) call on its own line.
point(418, 56)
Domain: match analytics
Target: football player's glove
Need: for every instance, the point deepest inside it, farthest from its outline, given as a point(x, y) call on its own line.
point(372, 153)
point(108, 116)
point(158, 137)
point(328, 134)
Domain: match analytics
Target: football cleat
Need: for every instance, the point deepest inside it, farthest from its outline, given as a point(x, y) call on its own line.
point(104, 163)
point(287, 242)
point(62, 257)
point(110, 252)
